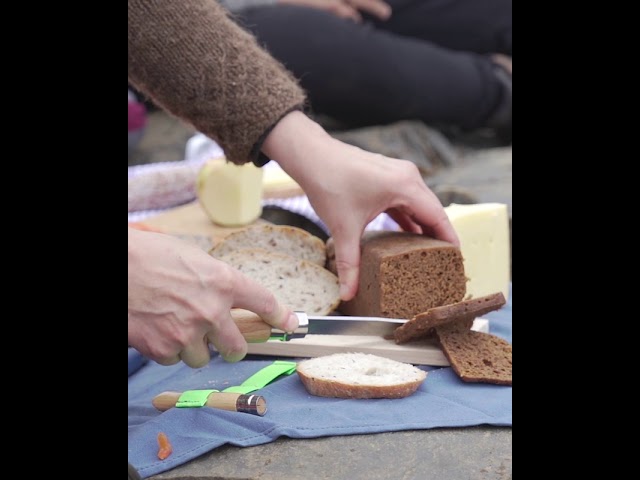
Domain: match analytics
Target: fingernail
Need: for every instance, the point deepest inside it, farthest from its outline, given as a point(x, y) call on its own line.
point(344, 291)
point(348, 283)
point(292, 323)
point(236, 356)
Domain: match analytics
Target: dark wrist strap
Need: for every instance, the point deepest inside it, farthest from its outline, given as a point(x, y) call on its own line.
point(258, 158)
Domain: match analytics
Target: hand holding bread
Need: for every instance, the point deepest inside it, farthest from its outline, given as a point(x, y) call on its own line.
point(349, 187)
point(286, 260)
point(179, 305)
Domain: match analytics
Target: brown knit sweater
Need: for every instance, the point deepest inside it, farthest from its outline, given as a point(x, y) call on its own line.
point(193, 61)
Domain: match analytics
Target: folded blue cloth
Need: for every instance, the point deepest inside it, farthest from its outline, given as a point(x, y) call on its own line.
point(443, 400)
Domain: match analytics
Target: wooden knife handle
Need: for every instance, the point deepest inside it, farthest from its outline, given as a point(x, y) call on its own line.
point(233, 402)
point(252, 327)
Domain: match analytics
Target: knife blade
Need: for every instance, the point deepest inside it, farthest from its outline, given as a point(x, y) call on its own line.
point(256, 330)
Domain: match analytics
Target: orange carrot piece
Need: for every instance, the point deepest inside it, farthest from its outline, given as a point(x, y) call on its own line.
point(165, 448)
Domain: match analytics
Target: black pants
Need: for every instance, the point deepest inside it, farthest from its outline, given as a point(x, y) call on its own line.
point(429, 61)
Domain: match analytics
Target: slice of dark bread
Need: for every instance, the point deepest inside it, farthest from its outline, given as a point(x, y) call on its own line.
point(476, 356)
point(423, 324)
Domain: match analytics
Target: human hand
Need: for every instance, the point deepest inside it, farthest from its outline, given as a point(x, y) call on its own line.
point(346, 8)
point(180, 299)
point(349, 187)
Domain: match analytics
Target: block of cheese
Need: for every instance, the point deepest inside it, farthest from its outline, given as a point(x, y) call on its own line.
point(230, 195)
point(483, 230)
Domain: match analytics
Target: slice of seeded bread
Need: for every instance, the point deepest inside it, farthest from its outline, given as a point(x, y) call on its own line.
point(299, 284)
point(278, 238)
point(359, 375)
point(422, 325)
point(476, 356)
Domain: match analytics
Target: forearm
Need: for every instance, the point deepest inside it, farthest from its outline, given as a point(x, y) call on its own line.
point(193, 61)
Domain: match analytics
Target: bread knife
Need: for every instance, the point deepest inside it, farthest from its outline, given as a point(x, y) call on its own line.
point(256, 330)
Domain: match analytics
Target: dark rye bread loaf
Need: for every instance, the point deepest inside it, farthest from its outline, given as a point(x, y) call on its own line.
point(423, 324)
point(403, 274)
point(476, 356)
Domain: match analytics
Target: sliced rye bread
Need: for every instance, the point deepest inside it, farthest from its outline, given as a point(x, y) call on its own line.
point(423, 324)
point(278, 238)
point(476, 356)
point(299, 284)
point(359, 375)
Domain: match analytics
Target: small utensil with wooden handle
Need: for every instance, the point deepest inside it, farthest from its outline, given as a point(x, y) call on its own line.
point(233, 402)
point(256, 330)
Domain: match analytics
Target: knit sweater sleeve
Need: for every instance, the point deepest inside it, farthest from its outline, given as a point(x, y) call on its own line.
point(196, 63)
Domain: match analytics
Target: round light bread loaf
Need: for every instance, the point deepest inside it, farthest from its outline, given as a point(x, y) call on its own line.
point(299, 284)
point(359, 375)
point(277, 238)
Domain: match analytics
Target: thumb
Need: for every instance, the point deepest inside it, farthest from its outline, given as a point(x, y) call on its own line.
point(347, 258)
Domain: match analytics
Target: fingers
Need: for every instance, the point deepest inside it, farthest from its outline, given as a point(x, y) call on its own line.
point(228, 341)
point(166, 360)
point(347, 258)
point(433, 219)
point(159, 349)
point(196, 355)
point(240, 292)
point(441, 228)
point(405, 222)
point(224, 336)
point(419, 210)
point(377, 8)
point(252, 296)
point(344, 10)
point(426, 221)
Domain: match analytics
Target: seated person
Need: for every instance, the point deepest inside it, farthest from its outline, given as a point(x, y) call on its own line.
point(366, 62)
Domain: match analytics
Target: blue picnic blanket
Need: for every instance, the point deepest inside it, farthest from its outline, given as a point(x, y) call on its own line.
point(443, 400)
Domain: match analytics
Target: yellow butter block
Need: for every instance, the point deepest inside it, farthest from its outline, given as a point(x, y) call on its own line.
point(231, 195)
point(275, 177)
point(483, 230)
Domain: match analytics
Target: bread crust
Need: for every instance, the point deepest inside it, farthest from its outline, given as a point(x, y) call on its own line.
point(297, 283)
point(285, 239)
point(351, 380)
point(477, 356)
point(423, 324)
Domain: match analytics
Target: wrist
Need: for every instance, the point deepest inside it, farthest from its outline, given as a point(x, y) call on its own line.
point(257, 154)
point(292, 141)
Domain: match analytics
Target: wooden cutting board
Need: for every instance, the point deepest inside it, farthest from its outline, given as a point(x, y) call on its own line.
point(422, 352)
point(190, 220)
